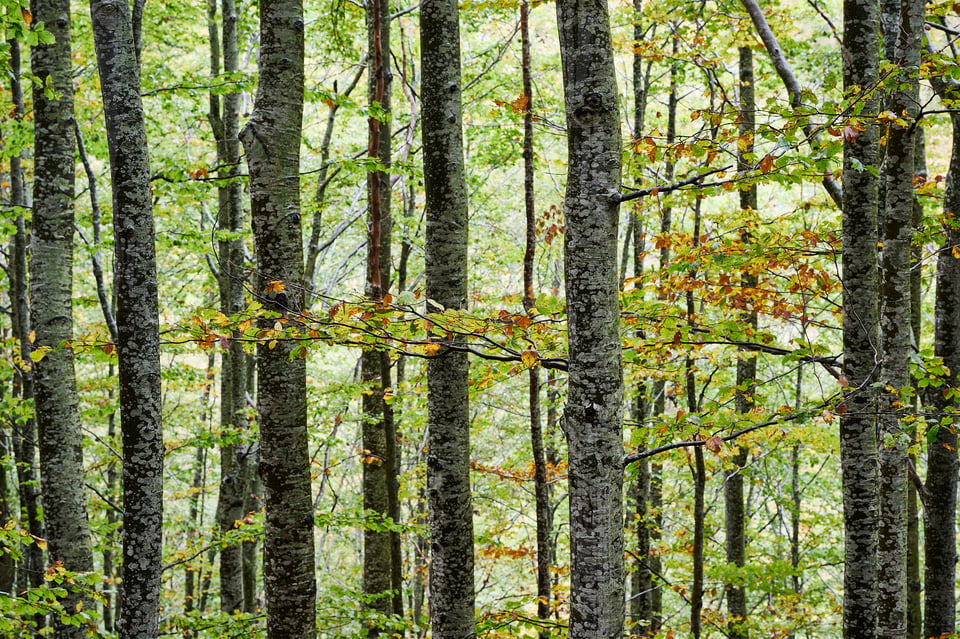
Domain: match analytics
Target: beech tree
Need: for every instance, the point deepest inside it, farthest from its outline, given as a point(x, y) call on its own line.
point(51, 310)
point(271, 139)
point(448, 458)
point(135, 284)
point(593, 412)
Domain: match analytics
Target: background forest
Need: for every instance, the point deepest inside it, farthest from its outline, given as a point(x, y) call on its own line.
point(681, 278)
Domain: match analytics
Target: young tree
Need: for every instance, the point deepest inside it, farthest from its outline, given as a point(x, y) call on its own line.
point(380, 553)
point(135, 282)
point(448, 456)
point(593, 414)
point(235, 461)
point(51, 309)
point(272, 142)
point(735, 515)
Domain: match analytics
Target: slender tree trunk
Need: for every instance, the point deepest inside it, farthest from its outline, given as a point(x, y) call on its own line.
point(135, 281)
point(939, 512)
point(699, 468)
point(593, 417)
point(51, 311)
point(914, 584)
point(735, 516)
point(235, 460)
point(448, 458)
point(272, 142)
point(31, 571)
point(541, 489)
point(858, 442)
point(379, 440)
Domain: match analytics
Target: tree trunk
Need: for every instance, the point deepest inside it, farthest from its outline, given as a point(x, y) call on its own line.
point(858, 444)
point(379, 440)
point(895, 329)
point(235, 460)
point(448, 458)
point(272, 142)
point(135, 281)
point(51, 311)
point(939, 512)
point(592, 419)
point(541, 489)
point(735, 516)
point(31, 570)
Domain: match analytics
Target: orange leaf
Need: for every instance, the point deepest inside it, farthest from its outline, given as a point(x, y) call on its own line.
point(767, 164)
point(109, 348)
point(27, 16)
point(431, 349)
point(529, 358)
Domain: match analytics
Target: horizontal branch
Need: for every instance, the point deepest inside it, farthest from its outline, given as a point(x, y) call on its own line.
point(667, 188)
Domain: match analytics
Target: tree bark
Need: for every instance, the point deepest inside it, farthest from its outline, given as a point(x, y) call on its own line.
point(735, 516)
point(135, 281)
point(51, 312)
point(939, 512)
point(236, 462)
point(272, 142)
point(858, 444)
point(379, 439)
point(448, 458)
point(895, 328)
point(593, 417)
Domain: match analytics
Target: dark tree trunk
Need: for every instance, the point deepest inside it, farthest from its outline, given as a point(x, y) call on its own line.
point(592, 419)
point(858, 436)
point(735, 516)
point(448, 458)
point(272, 142)
point(379, 438)
point(51, 311)
point(135, 281)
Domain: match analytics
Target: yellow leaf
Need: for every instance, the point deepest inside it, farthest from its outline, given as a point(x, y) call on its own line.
point(955, 251)
point(431, 349)
point(275, 286)
point(529, 358)
point(220, 319)
point(38, 354)
point(32, 337)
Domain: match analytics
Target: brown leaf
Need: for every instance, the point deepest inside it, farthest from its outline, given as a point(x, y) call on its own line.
point(714, 444)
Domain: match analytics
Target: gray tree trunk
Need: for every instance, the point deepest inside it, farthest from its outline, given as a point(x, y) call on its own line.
point(858, 443)
point(135, 282)
point(939, 512)
point(235, 461)
point(272, 142)
point(593, 416)
point(895, 329)
point(51, 311)
point(448, 458)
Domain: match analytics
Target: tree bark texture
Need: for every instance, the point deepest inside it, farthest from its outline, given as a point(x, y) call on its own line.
point(858, 444)
point(895, 327)
point(135, 282)
point(448, 458)
point(272, 142)
point(939, 512)
point(593, 416)
point(51, 311)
